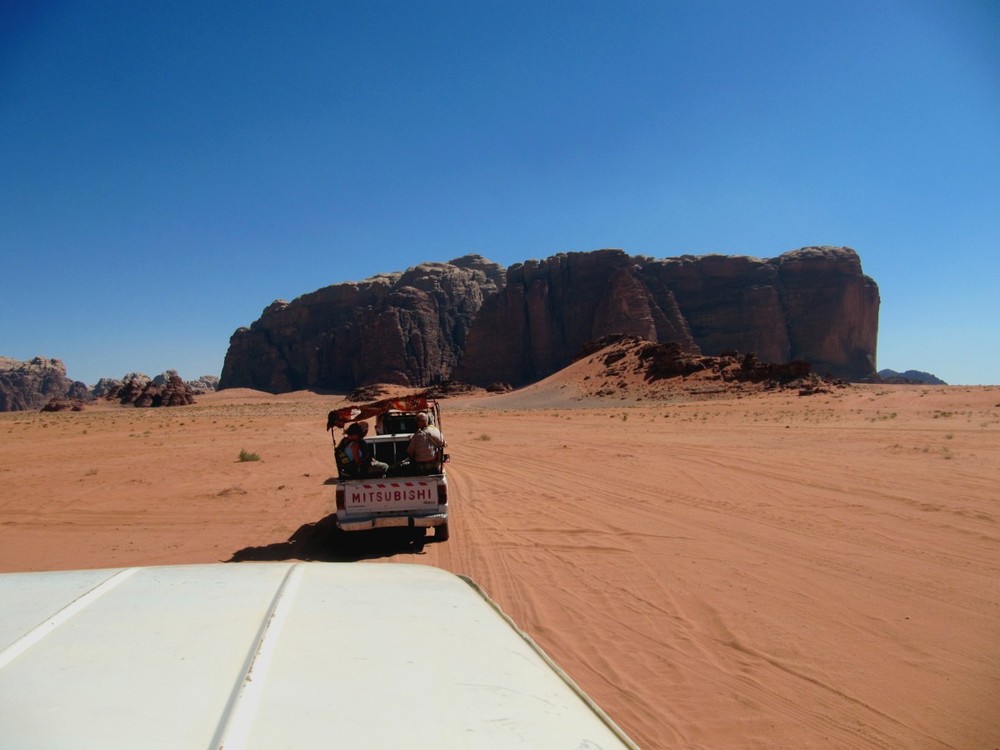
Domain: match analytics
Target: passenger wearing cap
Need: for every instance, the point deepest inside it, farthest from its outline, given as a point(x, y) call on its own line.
point(359, 453)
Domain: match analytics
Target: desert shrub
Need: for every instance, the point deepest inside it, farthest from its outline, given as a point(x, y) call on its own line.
point(247, 456)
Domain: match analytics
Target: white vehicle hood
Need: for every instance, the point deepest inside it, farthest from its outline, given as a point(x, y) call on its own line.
point(276, 655)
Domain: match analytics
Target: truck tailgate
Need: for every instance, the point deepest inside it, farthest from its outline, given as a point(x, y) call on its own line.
point(389, 495)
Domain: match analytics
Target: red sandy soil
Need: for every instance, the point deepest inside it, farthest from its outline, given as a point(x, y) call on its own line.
point(717, 568)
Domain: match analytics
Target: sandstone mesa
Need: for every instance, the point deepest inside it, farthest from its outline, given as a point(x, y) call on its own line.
point(473, 321)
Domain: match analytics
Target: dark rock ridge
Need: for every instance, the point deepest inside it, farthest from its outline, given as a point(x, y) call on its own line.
point(910, 377)
point(728, 372)
point(471, 321)
point(29, 386)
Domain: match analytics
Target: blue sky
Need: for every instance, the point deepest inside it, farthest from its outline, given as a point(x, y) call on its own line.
point(168, 169)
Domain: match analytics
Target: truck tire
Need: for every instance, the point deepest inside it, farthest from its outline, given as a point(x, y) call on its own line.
point(441, 532)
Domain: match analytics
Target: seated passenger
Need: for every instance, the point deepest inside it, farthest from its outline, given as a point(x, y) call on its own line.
point(425, 450)
point(359, 453)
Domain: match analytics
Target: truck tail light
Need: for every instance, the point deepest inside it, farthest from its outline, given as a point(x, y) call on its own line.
point(340, 498)
point(442, 494)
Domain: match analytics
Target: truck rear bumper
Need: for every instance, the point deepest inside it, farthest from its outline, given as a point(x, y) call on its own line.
point(385, 522)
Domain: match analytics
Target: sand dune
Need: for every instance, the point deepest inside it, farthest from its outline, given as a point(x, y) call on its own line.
point(751, 570)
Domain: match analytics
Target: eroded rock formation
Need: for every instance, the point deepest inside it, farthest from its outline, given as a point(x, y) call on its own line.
point(910, 377)
point(204, 384)
point(29, 386)
point(406, 328)
point(814, 304)
point(142, 391)
point(630, 367)
point(470, 320)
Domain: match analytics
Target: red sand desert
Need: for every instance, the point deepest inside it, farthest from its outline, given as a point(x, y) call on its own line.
point(716, 569)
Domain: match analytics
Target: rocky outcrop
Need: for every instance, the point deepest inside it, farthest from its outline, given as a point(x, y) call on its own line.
point(41, 384)
point(63, 404)
point(406, 328)
point(104, 387)
point(630, 367)
point(29, 386)
point(910, 377)
point(142, 391)
point(131, 381)
point(204, 384)
point(469, 320)
point(813, 305)
point(550, 309)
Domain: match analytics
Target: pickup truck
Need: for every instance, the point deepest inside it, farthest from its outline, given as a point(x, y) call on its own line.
point(403, 495)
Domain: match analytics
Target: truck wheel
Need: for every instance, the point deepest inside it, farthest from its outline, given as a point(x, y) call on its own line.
point(441, 532)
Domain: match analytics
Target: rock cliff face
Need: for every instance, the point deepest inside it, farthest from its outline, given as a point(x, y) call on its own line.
point(549, 309)
point(29, 386)
point(407, 328)
point(813, 304)
point(469, 320)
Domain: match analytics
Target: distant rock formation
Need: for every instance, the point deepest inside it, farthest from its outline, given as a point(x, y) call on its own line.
point(621, 356)
point(204, 384)
point(31, 385)
point(41, 385)
point(104, 387)
point(910, 377)
point(549, 309)
point(404, 328)
point(142, 391)
point(470, 320)
point(63, 404)
point(813, 305)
